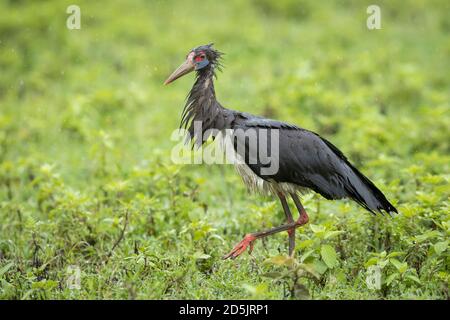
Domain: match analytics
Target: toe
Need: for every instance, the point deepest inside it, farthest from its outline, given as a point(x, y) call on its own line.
point(241, 247)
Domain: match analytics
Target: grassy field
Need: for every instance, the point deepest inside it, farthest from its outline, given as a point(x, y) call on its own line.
point(88, 191)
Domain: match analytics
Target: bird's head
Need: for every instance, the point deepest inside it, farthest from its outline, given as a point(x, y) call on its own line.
point(199, 59)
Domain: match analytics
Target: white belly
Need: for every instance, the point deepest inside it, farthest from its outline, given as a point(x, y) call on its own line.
point(266, 187)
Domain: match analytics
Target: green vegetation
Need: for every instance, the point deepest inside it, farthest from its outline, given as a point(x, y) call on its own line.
point(86, 178)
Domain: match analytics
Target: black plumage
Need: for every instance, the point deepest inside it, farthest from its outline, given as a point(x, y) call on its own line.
point(306, 160)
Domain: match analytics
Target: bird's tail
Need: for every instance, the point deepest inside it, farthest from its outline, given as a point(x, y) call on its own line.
point(359, 188)
point(364, 192)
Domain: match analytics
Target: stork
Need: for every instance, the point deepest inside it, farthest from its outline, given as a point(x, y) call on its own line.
point(306, 161)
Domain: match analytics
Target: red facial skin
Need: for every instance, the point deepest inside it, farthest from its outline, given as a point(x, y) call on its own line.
point(199, 57)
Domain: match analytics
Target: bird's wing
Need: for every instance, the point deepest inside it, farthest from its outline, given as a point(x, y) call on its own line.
point(308, 160)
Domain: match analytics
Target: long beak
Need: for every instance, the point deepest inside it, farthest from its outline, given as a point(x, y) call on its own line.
point(185, 68)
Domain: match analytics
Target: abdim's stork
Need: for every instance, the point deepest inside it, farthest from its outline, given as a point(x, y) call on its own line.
point(305, 160)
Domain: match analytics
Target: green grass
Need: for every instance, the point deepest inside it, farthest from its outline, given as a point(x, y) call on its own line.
point(86, 178)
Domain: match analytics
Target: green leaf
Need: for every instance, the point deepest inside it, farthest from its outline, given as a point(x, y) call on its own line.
point(319, 266)
point(383, 263)
point(395, 254)
point(201, 256)
point(427, 235)
point(391, 278)
point(44, 284)
point(280, 260)
point(311, 269)
point(371, 262)
point(256, 291)
point(400, 266)
point(439, 247)
point(328, 255)
point(305, 243)
point(414, 278)
point(317, 228)
point(331, 234)
point(306, 255)
point(6, 268)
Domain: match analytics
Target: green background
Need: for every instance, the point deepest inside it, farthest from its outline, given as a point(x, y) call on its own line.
point(86, 178)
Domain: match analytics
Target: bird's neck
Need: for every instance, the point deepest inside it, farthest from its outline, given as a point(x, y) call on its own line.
point(201, 105)
point(204, 87)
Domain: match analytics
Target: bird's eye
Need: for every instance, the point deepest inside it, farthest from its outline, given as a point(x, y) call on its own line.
point(199, 58)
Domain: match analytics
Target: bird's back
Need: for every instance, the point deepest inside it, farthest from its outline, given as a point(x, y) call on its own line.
point(303, 160)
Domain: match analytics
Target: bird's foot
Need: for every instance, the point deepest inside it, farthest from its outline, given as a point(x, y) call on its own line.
point(241, 247)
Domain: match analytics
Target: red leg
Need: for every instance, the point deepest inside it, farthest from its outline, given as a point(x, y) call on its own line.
point(303, 218)
point(289, 219)
point(241, 246)
point(249, 239)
